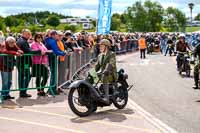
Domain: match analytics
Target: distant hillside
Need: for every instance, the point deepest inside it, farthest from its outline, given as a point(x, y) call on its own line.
point(31, 18)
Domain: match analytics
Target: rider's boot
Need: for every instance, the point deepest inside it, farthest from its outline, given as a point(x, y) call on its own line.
point(196, 81)
point(106, 96)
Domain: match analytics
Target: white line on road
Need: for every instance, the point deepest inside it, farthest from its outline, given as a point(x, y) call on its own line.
point(150, 118)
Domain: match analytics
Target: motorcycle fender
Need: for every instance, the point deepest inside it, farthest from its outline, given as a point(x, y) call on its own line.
point(77, 83)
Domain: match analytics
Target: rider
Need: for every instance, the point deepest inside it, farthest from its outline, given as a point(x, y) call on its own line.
point(106, 65)
point(169, 44)
point(197, 65)
point(181, 46)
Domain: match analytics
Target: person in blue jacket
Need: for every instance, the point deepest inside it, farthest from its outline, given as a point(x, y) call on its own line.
point(51, 44)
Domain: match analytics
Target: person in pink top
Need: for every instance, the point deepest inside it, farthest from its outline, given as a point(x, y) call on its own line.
point(40, 64)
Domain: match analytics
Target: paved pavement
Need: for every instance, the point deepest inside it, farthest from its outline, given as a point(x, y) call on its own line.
point(162, 92)
point(52, 115)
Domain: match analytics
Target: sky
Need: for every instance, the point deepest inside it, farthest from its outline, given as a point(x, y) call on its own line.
point(82, 8)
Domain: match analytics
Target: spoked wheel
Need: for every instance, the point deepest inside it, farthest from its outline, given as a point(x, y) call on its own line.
point(188, 71)
point(121, 98)
point(80, 101)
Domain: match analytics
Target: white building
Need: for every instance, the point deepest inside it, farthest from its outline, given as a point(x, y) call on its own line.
point(86, 22)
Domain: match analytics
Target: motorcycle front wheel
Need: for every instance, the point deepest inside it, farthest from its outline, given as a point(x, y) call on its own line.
point(80, 101)
point(121, 99)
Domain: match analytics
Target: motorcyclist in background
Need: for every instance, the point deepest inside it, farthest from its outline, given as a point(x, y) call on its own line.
point(106, 66)
point(181, 46)
point(170, 45)
point(197, 63)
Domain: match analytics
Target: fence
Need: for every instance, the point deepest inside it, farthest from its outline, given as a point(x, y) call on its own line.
point(18, 75)
point(23, 76)
point(78, 58)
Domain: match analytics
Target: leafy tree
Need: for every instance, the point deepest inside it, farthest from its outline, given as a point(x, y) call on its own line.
point(197, 17)
point(137, 17)
point(154, 15)
point(53, 21)
point(1, 25)
point(72, 28)
point(115, 22)
point(8, 21)
point(11, 21)
point(94, 22)
point(175, 19)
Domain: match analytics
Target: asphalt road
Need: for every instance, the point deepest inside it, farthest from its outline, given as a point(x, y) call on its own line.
point(161, 91)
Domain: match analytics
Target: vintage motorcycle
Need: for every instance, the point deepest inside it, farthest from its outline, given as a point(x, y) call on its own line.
point(86, 91)
point(184, 63)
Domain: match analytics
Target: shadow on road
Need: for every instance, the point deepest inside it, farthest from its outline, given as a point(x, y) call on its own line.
point(198, 101)
point(20, 102)
point(111, 115)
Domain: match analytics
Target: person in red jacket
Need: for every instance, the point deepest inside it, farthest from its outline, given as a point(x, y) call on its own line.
point(7, 63)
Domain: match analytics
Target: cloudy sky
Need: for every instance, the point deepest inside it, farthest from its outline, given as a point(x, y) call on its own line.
point(82, 7)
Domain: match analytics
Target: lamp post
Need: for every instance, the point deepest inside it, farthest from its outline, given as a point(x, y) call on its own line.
point(191, 6)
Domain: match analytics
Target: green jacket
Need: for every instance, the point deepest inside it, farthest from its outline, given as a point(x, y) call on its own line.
point(109, 58)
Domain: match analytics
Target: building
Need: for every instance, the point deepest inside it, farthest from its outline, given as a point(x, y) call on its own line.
point(86, 22)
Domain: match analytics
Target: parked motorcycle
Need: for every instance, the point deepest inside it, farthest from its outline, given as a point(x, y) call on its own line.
point(86, 91)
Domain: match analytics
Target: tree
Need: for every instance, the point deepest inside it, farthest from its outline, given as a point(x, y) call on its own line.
point(115, 22)
point(175, 19)
point(94, 22)
point(197, 17)
point(136, 17)
point(144, 17)
point(123, 18)
point(1, 25)
point(154, 15)
point(53, 21)
point(11, 21)
point(72, 28)
point(8, 21)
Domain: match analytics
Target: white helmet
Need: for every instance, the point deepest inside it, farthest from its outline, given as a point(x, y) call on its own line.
point(181, 36)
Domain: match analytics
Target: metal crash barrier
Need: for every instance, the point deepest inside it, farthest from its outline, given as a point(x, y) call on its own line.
point(79, 58)
point(24, 73)
point(20, 74)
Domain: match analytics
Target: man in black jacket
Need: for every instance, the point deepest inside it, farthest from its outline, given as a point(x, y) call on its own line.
point(197, 64)
point(24, 63)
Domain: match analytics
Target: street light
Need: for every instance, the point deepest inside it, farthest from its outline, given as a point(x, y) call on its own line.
point(191, 5)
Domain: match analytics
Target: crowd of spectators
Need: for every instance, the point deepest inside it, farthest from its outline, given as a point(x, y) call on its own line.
point(46, 46)
point(35, 56)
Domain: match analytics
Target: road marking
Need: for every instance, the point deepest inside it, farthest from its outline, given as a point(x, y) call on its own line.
point(90, 120)
point(156, 122)
point(106, 111)
point(40, 124)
